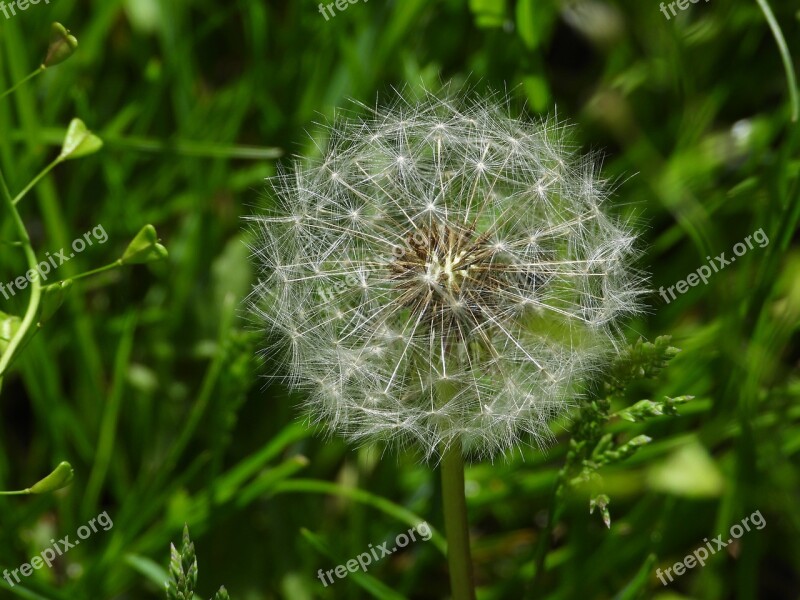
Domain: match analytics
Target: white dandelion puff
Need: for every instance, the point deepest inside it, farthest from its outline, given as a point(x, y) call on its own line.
point(445, 272)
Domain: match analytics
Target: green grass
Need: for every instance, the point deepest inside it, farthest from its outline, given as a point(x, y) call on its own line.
point(147, 378)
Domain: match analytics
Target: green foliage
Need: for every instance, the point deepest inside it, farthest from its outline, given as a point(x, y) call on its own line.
point(222, 594)
point(642, 360)
point(78, 142)
point(183, 571)
point(590, 447)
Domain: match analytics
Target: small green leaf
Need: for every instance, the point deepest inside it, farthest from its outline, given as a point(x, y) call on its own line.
point(144, 248)
point(62, 46)
point(59, 478)
point(79, 141)
point(644, 409)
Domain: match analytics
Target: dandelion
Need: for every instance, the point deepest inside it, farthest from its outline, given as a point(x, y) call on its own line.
point(446, 272)
point(445, 277)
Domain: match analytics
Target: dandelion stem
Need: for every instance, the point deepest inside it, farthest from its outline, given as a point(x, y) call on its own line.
point(456, 524)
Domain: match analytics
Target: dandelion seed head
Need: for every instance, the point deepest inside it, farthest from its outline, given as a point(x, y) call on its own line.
point(444, 272)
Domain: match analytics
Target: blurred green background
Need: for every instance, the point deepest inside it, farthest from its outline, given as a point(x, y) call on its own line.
point(147, 380)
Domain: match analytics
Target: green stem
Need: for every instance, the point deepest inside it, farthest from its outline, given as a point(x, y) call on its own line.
point(116, 264)
point(786, 57)
point(55, 137)
point(456, 523)
point(17, 493)
point(20, 83)
point(30, 255)
point(36, 284)
point(36, 180)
